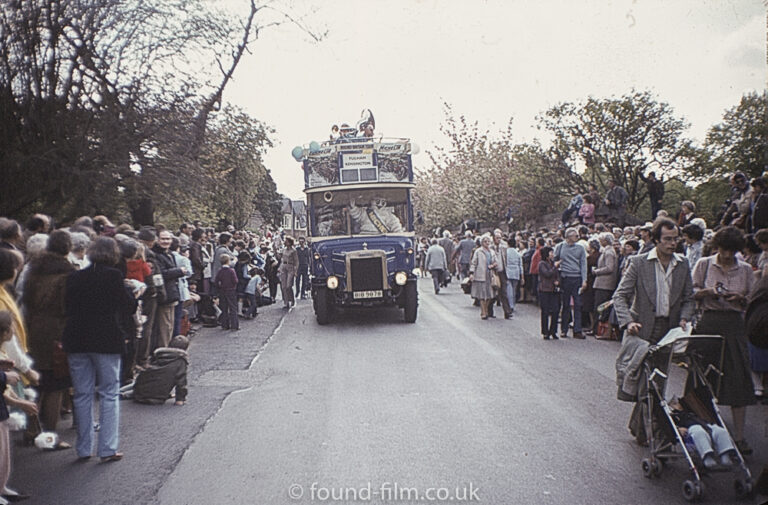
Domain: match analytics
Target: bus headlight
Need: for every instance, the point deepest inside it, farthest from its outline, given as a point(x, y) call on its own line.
point(317, 256)
point(332, 282)
point(401, 278)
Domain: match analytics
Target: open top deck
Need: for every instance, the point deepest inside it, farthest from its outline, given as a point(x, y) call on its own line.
point(358, 160)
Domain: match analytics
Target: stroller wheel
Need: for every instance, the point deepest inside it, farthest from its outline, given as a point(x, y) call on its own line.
point(647, 467)
point(743, 487)
point(657, 466)
point(692, 491)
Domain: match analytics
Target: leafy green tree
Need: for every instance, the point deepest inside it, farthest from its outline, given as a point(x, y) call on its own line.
point(621, 139)
point(740, 141)
point(240, 183)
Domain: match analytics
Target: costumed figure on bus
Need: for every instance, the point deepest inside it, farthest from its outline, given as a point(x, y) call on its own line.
point(376, 218)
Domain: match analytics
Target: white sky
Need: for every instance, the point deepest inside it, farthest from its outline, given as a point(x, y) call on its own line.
point(491, 60)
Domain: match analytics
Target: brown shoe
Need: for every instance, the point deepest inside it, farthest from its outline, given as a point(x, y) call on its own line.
point(578, 334)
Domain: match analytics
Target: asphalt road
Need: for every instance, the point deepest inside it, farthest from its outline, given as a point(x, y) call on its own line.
point(379, 410)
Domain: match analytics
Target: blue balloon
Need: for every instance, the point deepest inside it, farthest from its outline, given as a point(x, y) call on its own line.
point(314, 147)
point(297, 153)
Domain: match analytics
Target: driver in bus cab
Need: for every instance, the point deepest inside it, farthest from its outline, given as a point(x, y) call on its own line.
point(376, 218)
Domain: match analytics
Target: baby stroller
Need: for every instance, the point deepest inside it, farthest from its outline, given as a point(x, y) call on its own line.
point(692, 362)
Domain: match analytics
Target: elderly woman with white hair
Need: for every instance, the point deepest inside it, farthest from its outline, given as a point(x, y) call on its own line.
point(606, 272)
point(484, 264)
point(35, 246)
point(80, 243)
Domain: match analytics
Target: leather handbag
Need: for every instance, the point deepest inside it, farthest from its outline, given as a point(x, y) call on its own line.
point(606, 331)
point(495, 280)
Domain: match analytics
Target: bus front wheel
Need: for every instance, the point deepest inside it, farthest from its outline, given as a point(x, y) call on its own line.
point(323, 309)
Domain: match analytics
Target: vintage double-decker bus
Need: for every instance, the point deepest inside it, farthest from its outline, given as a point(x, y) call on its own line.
point(360, 214)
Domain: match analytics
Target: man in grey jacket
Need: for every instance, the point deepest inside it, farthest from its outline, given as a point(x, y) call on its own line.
point(656, 291)
point(655, 294)
point(436, 263)
point(448, 246)
point(464, 253)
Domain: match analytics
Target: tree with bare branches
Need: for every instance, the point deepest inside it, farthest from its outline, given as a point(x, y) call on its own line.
point(104, 104)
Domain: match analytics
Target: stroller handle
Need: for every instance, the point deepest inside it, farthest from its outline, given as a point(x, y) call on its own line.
point(657, 372)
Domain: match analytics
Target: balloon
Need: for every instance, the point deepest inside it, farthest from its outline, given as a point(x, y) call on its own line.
point(415, 149)
point(297, 153)
point(314, 147)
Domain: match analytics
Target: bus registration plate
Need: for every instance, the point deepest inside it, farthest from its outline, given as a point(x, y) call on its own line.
point(367, 294)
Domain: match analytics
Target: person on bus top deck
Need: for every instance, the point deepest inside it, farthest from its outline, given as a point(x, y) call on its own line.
point(377, 218)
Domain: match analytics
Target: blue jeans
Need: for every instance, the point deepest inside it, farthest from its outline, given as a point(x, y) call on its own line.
point(570, 289)
point(720, 441)
point(253, 307)
point(89, 370)
point(512, 292)
point(178, 314)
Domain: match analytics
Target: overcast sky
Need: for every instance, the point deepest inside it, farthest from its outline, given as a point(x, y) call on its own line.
point(492, 60)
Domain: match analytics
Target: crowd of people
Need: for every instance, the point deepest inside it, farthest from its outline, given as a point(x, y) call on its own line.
point(97, 308)
point(590, 278)
point(94, 308)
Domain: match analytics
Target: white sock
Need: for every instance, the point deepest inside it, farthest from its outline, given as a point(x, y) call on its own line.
point(9, 492)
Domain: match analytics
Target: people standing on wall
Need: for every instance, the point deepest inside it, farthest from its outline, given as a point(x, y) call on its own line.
point(655, 192)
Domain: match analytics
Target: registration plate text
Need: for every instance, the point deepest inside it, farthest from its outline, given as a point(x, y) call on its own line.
point(368, 294)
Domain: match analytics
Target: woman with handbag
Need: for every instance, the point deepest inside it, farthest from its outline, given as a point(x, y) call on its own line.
point(483, 270)
point(606, 274)
point(721, 284)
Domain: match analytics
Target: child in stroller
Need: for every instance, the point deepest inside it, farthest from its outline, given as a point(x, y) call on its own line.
point(709, 439)
point(681, 428)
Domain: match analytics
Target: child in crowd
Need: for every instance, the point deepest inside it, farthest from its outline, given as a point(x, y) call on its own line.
point(137, 267)
point(167, 370)
point(8, 378)
point(253, 291)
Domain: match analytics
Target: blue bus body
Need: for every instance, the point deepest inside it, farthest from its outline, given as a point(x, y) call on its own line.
point(360, 225)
